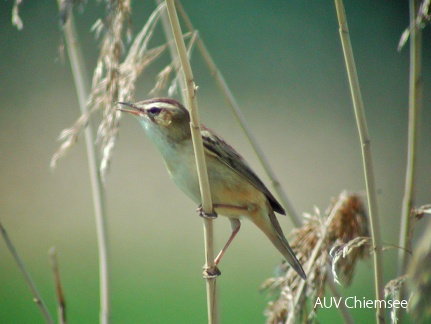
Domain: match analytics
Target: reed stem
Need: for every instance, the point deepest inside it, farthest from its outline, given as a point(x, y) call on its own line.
point(81, 84)
point(366, 157)
point(212, 302)
point(215, 72)
point(415, 95)
point(415, 98)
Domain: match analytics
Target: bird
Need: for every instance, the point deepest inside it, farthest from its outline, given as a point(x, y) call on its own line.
point(236, 190)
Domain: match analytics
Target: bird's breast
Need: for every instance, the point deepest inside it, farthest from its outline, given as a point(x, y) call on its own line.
point(181, 165)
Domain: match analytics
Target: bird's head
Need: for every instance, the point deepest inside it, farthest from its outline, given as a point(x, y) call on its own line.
point(162, 116)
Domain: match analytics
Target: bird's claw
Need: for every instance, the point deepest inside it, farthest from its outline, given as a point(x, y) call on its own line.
point(211, 273)
point(202, 214)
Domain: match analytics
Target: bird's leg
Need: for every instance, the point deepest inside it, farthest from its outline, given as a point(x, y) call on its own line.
point(202, 214)
point(235, 225)
point(214, 271)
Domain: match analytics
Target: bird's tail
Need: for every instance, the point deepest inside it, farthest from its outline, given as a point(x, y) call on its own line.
point(276, 236)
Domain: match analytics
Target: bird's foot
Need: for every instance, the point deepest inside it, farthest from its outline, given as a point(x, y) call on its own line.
point(202, 214)
point(211, 273)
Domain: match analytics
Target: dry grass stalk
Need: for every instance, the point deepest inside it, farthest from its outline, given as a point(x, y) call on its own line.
point(367, 160)
point(36, 296)
point(61, 301)
point(415, 96)
point(312, 243)
point(415, 103)
point(107, 72)
point(78, 68)
point(207, 207)
point(224, 88)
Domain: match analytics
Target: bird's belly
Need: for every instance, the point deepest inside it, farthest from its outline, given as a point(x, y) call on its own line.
point(232, 194)
point(235, 196)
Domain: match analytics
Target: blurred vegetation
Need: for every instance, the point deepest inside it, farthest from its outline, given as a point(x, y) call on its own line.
point(284, 64)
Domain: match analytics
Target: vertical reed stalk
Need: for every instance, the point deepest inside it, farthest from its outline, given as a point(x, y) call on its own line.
point(207, 207)
point(366, 156)
point(173, 50)
point(81, 85)
point(297, 221)
point(415, 96)
point(215, 72)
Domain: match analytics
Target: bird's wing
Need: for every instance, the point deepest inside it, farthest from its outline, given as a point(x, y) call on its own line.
point(227, 154)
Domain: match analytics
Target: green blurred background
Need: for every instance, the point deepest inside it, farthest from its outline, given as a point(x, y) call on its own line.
point(284, 64)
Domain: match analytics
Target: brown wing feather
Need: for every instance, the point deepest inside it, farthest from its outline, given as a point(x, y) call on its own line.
point(232, 159)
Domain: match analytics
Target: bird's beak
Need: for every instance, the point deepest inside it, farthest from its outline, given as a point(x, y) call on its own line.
point(134, 111)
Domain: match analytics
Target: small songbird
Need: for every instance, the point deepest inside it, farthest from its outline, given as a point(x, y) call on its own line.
point(236, 190)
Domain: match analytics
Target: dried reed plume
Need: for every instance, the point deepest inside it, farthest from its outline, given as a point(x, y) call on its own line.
point(349, 236)
point(113, 80)
point(346, 221)
point(392, 290)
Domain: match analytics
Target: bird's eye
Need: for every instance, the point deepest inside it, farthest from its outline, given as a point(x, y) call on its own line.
point(154, 110)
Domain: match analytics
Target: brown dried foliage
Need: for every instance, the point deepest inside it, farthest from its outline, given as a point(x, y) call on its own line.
point(350, 222)
point(344, 222)
point(114, 78)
